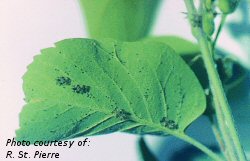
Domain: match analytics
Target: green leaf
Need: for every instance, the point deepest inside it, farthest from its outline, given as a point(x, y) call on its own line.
point(145, 153)
point(126, 20)
point(84, 87)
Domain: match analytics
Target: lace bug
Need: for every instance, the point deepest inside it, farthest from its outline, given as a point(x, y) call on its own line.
point(81, 89)
point(122, 114)
point(63, 81)
point(169, 123)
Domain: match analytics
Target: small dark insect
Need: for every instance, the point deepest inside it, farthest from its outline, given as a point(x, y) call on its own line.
point(81, 89)
point(121, 114)
point(63, 81)
point(169, 123)
point(196, 20)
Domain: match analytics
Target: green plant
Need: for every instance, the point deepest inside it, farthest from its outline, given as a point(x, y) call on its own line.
point(152, 85)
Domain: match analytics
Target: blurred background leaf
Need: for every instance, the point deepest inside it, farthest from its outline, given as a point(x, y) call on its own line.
point(126, 20)
point(145, 152)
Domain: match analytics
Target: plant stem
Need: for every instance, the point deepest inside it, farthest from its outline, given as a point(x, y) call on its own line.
point(229, 152)
point(219, 140)
point(218, 93)
point(218, 135)
point(222, 22)
point(229, 132)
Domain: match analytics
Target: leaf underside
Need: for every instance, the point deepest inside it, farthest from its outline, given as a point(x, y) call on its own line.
point(189, 51)
point(230, 71)
point(84, 87)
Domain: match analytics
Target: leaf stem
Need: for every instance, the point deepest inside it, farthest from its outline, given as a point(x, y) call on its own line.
point(200, 146)
point(222, 22)
point(229, 132)
point(193, 142)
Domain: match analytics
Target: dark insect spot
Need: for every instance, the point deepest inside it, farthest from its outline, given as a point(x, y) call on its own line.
point(93, 43)
point(196, 20)
point(81, 89)
point(122, 114)
point(57, 69)
point(63, 81)
point(169, 123)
